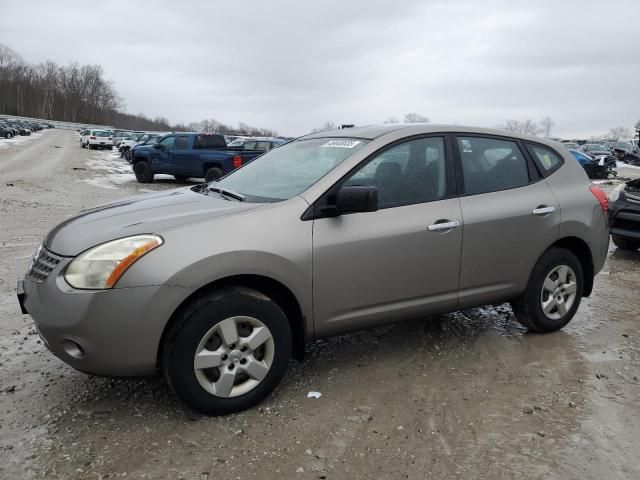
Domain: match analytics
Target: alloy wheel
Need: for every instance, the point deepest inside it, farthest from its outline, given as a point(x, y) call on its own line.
point(558, 292)
point(234, 356)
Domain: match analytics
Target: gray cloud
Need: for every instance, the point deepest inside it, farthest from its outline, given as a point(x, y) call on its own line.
point(292, 65)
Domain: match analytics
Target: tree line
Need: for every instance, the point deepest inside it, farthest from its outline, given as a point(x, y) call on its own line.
point(81, 94)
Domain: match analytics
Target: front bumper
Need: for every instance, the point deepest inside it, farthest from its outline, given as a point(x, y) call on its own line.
point(624, 218)
point(118, 331)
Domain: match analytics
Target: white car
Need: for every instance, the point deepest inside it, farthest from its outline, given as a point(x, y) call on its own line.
point(96, 139)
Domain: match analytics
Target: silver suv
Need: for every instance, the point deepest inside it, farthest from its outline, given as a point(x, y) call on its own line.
point(219, 284)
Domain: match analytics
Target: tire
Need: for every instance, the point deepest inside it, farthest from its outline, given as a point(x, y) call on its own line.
point(143, 172)
point(206, 318)
point(180, 178)
point(212, 174)
point(625, 243)
point(127, 154)
point(528, 308)
point(8, 135)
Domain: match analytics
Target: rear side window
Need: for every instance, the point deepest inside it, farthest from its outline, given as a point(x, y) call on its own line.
point(491, 165)
point(546, 158)
point(182, 142)
point(202, 141)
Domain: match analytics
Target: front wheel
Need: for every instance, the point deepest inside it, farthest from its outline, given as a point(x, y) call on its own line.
point(143, 172)
point(8, 135)
point(227, 351)
point(625, 243)
point(553, 292)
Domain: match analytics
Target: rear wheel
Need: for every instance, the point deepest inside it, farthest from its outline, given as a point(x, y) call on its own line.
point(625, 243)
point(227, 351)
point(143, 172)
point(8, 135)
point(553, 292)
point(212, 174)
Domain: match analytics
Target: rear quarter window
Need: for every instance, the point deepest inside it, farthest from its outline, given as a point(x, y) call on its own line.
point(547, 159)
point(201, 142)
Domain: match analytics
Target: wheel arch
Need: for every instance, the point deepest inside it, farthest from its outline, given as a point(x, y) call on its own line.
point(269, 287)
point(211, 164)
point(580, 249)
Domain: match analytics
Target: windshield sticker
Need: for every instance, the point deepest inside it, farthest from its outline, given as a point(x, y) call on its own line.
point(342, 143)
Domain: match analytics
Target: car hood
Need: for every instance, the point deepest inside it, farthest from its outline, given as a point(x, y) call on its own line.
point(149, 213)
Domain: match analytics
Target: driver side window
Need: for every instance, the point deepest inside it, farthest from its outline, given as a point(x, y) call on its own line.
point(168, 142)
point(408, 173)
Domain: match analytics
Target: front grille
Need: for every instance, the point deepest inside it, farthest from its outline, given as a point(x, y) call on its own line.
point(43, 264)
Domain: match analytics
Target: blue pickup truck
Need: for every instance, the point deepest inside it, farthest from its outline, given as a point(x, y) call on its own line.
point(186, 155)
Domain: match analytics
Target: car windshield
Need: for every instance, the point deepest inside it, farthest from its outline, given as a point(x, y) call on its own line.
point(289, 170)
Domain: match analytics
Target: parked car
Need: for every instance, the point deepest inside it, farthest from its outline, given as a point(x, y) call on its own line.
point(127, 144)
point(624, 215)
point(119, 136)
point(594, 149)
point(260, 144)
point(23, 130)
point(7, 131)
point(94, 138)
point(601, 167)
point(152, 140)
point(186, 155)
point(570, 145)
point(218, 284)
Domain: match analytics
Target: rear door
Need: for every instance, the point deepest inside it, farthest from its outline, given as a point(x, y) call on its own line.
point(400, 261)
point(510, 217)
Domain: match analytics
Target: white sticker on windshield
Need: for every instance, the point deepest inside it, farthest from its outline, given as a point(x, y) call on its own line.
point(342, 143)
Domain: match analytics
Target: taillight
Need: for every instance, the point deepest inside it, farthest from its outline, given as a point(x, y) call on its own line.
point(601, 197)
point(92, 138)
point(237, 161)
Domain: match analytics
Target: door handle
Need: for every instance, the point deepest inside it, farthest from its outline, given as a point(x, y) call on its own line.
point(543, 210)
point(446, 225)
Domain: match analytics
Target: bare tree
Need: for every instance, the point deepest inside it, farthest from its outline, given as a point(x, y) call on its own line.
point(391, 120)
point(415, 118)
point(619, 133)
point(546, 126)
point(525, 127)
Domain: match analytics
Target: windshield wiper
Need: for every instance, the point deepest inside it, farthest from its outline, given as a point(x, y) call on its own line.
point(228, 193)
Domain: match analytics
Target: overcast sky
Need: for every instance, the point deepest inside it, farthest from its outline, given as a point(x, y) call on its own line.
point(292, 65)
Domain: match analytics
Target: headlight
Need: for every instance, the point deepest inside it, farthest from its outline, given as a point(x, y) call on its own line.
point(102, 266)
point(615, 194)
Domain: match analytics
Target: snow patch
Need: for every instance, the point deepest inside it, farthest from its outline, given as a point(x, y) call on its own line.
point(626, 165)
point(112, 171)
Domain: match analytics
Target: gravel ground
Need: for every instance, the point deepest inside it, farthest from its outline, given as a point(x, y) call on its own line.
point(466, 395)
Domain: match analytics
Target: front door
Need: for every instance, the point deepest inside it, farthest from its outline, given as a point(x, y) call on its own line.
point(401, 261)
point(162, 161)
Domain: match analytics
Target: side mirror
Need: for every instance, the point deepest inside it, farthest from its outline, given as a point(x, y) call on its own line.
point(158, 146)
point(356, 199)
